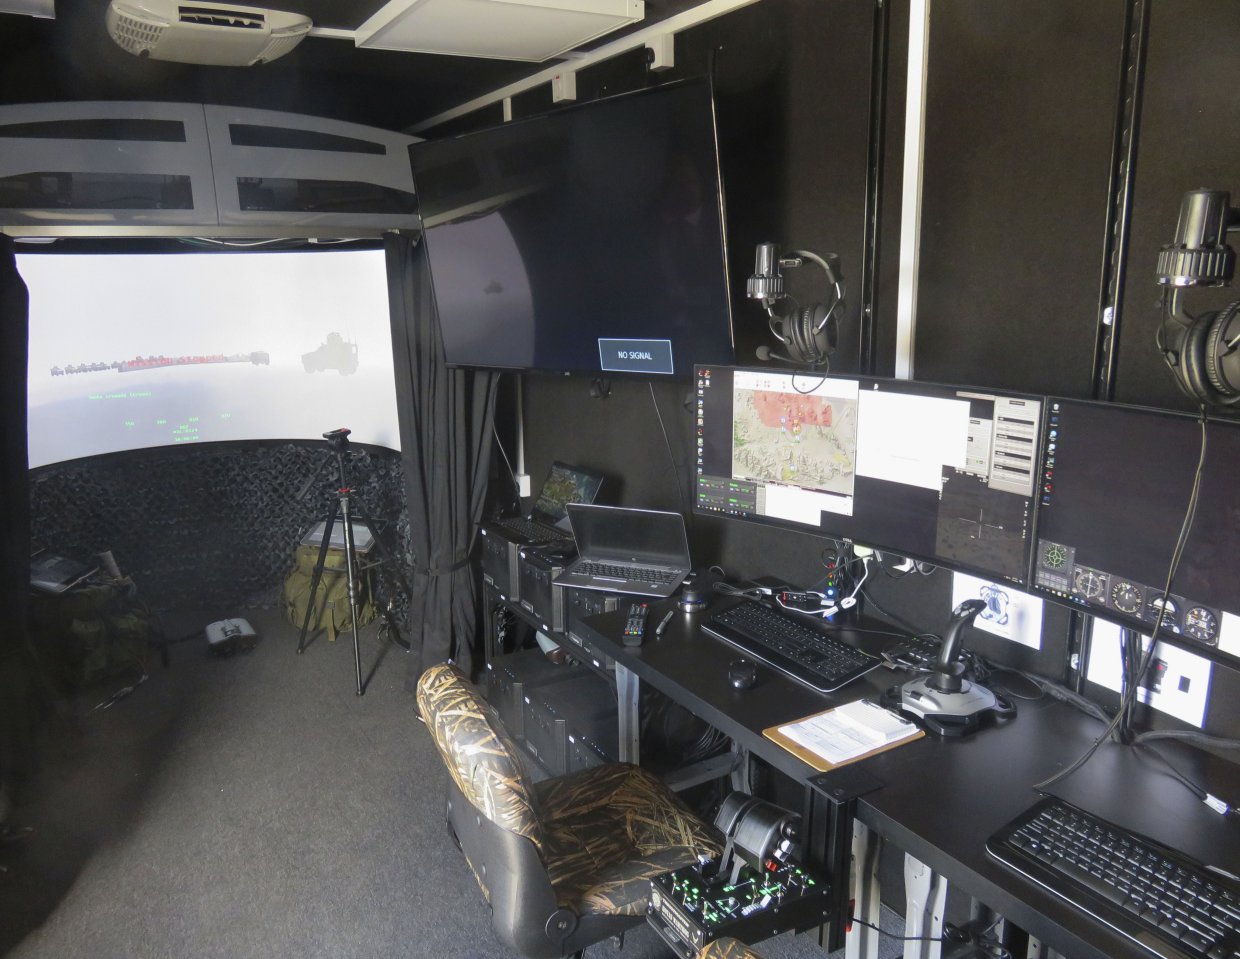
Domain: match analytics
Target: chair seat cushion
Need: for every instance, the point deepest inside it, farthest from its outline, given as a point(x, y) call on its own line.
point(607, 831)
point(727, 949)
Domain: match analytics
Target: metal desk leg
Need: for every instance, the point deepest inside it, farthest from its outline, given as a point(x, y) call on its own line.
point(862, 941)
point(926, 896)
point(1039, 950)
point(628, 691)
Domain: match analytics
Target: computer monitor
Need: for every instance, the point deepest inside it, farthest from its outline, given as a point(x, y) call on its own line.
point(937, 473)
point(590, 239)
point(1116, 484)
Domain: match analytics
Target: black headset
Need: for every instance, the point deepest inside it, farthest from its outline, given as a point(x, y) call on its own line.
point(809, 335)
point(1203, 352)
point(1205, 357)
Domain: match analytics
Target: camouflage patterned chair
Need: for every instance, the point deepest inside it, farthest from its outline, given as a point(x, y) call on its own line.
point(565, 862)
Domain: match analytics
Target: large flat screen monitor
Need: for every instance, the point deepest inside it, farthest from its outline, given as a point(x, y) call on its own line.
point(590, 239)
point(1117, 482)
point(937, 473)
point(133, 350)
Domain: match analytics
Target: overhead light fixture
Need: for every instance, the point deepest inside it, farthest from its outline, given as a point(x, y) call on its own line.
point(527, 30)
point(46, 9)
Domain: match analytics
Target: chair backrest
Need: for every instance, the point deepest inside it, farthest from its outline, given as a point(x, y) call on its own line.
point(480, 756)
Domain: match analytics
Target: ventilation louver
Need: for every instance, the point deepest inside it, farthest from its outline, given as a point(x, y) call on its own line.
point(210, 34)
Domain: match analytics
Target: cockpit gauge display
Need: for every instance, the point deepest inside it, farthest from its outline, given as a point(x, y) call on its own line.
point(1127, 597)
point(1201, 624)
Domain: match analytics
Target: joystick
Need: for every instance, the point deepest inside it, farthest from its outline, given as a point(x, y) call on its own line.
point(944, 701)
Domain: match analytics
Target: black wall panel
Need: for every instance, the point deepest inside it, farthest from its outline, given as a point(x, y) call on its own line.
point(792, 84)
point(792, 81)
point(1189, 137)
point(1021, 100)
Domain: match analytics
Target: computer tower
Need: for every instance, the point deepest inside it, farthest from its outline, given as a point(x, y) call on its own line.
point(580, 604)
point(509, 678)
point(555, 712)
point(593, 742)
point(500, 562)
point(538, 566)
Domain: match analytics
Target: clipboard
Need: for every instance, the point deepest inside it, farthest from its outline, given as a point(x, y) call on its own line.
point(822, 763)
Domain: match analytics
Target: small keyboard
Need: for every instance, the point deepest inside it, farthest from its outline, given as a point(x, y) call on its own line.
point(792, 645)
point(1159, 898)
point(638, 574)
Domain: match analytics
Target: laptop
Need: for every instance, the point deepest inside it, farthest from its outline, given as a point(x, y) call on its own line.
point(640, 551)
point(548, 519)
point(57, 574)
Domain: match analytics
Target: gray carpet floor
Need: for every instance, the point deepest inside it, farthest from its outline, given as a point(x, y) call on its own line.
point(254, 806)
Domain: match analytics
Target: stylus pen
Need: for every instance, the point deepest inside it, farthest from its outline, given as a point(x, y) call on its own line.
point(658, 630)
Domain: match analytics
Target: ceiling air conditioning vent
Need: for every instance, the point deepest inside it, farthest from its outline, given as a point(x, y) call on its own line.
point(223, 17)
point(211, 34)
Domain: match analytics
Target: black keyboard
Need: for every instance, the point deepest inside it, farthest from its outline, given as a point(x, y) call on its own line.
point(1161, 899)
point(792, 645)
point(638, 574)
point(533, 532)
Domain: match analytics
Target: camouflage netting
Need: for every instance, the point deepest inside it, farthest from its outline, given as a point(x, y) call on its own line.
point(214, 526)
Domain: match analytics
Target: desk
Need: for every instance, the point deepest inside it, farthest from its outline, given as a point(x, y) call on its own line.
point(941, 799)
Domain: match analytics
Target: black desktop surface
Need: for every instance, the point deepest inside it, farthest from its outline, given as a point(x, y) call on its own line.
point(691, 667)
point(940, 800)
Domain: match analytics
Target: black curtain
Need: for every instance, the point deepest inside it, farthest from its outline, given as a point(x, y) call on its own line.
point(446, 418)
point(21, 691)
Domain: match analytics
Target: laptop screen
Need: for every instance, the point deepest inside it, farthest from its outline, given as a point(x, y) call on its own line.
point(613, 534)
point(565, 484)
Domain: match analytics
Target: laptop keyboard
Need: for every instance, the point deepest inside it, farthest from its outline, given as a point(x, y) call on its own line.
point(639, 574)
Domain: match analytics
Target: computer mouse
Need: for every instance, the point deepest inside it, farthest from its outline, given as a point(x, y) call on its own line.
point(742, 673)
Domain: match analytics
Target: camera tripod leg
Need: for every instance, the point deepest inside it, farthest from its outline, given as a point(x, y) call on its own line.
point(350, 561)
point(317, 576)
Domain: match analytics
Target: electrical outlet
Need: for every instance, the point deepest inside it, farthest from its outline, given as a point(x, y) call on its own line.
point(523, 485)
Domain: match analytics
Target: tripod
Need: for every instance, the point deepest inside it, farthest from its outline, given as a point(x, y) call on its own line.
point(342, 507)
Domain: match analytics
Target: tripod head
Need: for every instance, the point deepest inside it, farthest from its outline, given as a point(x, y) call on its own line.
point(338, 440)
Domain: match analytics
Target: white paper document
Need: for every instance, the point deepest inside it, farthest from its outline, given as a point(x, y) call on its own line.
point(852, 730)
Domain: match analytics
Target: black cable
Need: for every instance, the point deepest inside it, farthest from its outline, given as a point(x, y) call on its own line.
point(1128, 700)
point(504, 454)
point(1143, 741)
point(1188, 736)
point(671, 456)
point(995, 670)
point(896, 620)
point(892, 935)
point(1220, 806)
point(1064, 694)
